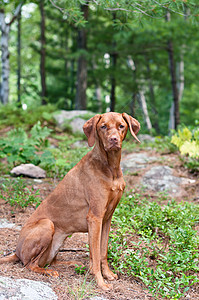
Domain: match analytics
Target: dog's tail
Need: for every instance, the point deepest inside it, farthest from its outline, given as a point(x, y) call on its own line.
point(11, 258)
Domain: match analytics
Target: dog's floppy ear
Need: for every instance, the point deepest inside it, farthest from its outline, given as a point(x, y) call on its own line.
point(89, 129)
point(133, 124)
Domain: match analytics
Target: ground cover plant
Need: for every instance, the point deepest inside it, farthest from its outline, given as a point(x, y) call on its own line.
point(156, 243)
point(15, 192)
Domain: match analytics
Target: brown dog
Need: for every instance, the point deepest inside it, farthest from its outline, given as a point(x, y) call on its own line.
point(84, 201)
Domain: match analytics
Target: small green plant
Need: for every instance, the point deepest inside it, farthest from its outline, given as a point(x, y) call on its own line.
point(80, 269)
point(15, 192)
point(82, 289)
point(157, 244)
point(17, 147)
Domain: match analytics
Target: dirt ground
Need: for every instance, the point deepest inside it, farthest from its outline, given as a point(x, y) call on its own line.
point(75, 248)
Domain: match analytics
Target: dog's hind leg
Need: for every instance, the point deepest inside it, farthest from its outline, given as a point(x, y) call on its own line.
point(34, 246)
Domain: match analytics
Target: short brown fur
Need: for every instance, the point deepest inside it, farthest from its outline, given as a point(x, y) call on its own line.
point(84, 201)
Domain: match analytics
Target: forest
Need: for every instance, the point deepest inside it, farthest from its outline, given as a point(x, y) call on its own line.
point(139, 57)
point(85, 57)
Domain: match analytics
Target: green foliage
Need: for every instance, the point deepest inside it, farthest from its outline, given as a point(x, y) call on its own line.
point(160, 144)
point(65, 156)
point(80, 269)
point(16, 193)
point(17, 147)
point(187, 142)
point(156, 244)
point(12, 115)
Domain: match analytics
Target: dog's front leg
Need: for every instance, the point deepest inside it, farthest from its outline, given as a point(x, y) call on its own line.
point(94, 231)
point(108, 274)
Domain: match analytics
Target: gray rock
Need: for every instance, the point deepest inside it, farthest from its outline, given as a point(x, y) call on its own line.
point(24, 289)
point(77, 125)
point(72, 118)
point(6, 224)
point(161, 178)
point(146, 138)
point(29, 170)
point(79, 144)
point(136, 161)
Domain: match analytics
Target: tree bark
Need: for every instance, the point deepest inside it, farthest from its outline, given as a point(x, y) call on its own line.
point(113, 56)
point(5, 29)
point(140, 94)
point(175, 108)
point(43, 54)
point(153, 102)
point(19, 58)
point(113, 82)
point(80, 99)
point(143, 103)
point(4, 43)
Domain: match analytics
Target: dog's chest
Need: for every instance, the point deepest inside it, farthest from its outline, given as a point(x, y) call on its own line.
point(115, 194)
point(117, 186)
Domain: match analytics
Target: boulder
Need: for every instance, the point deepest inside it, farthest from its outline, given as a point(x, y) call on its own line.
point(77, 125)
point(25, 289)
point(161, 178)
point(146, 138)
point(136, 161)
point(28, 170)
point(75, 119)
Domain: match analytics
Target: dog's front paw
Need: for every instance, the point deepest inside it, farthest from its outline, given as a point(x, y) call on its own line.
point(106, 287)
point(109, 275)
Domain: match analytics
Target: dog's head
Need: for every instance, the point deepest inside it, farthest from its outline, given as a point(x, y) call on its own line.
point(111, 128)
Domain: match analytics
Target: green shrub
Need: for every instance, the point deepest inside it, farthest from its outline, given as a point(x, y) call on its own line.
point(17, 147)
point(12, 115)
point(187, 142)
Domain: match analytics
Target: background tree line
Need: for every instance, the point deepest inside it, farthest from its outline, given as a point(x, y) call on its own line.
point(139, 57)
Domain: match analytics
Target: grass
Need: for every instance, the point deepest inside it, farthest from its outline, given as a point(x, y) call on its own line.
point(82, 289)
point(157, 244)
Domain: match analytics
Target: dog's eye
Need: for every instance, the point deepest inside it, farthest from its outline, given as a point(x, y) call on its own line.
point(103, 127)
point(121, 126)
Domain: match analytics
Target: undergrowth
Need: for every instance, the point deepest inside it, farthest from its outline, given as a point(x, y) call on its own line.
point(15, 192)
point(157, 244)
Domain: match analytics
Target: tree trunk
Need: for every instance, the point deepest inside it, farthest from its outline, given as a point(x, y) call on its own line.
point(132, 104)
point(113, 56)
point(140, 94)
point(153, 102)
point(5, 29)
point(113, 82)
point(80, 99)
point(4, 43)
point(19, 58)
point(143, 103)
point(180, 75)
point(43, 54)
point(172, 66)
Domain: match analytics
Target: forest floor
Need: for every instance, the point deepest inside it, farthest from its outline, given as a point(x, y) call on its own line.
point(70, 284)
